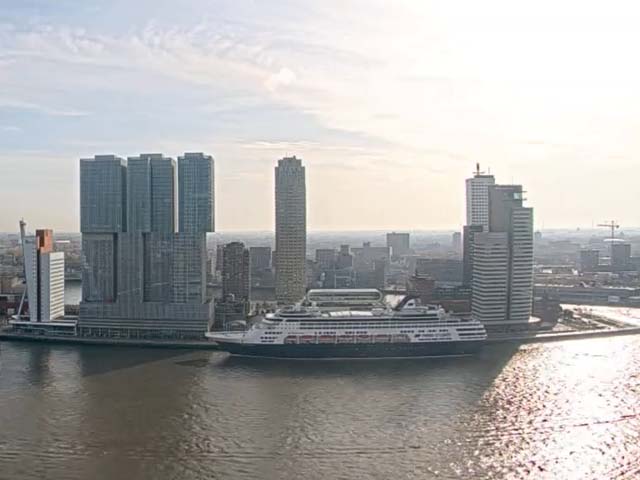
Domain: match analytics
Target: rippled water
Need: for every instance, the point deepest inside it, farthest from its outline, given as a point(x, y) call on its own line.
point(558, 411)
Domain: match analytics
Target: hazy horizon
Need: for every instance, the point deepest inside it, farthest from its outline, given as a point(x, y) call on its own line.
point(389, 107)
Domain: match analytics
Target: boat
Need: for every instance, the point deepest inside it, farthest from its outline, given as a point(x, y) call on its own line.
point(355, 323)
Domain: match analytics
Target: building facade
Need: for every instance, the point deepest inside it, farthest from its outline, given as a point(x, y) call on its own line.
point(151, 194)
point(478, 199)
point(291, 230)
point(196, 191)
point(44, 270)
point(502, 279)
point(399, 243)
point(236, 271)
point(260, 259)
point(141, 279)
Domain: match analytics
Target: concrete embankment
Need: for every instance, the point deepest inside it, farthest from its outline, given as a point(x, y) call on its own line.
point(560, 336)
point(188, 344)
point(206, 345)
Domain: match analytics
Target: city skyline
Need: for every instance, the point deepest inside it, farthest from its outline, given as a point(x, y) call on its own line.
point(250, 84)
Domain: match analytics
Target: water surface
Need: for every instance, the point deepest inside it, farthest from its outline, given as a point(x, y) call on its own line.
point(558, 411)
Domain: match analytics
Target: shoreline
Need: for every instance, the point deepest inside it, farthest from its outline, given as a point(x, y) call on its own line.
point(208, 345)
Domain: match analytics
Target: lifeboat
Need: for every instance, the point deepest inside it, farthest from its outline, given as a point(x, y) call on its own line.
point(400, 338)
point(290, 340)
point(363, 339)
point(327, 339)
point(382, 339)
point(307, 339)
point(345, 339)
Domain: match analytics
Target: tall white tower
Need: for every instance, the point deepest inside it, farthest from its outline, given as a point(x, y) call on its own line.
point(478, 198)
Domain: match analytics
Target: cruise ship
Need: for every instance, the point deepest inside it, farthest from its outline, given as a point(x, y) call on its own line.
point(355, 323)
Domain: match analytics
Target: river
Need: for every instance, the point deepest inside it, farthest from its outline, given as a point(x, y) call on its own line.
point(559, 411)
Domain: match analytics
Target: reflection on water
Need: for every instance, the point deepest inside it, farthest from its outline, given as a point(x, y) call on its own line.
point(563, 410)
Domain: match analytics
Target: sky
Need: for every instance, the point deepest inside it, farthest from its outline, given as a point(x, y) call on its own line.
point(389, 104)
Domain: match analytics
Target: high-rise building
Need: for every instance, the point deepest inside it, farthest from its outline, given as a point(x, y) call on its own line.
point(236, 271)
point(291, 230)
point(103, 215)
point(140, 278)
point(196, 192)
point(44, 270)
point(502, 279)
point(399, 243)
point(151, 192)
point(478, 198)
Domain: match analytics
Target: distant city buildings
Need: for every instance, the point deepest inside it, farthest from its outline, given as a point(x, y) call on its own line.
point(399, 244)
point(236, 272)
point(141, 279)
point(456, 242)
point(291, 230)
point(620, 256)
point(370, 265)
point(589, 260)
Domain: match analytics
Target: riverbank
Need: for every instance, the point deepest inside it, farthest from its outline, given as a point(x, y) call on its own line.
point(7, 335)
point(183, 344)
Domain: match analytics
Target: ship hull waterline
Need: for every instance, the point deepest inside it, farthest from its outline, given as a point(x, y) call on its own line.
point(368, 350)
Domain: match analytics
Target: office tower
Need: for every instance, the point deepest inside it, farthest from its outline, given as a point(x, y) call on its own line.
point(140, 278)
point(291, 230)
point(399, 243)
point(103, 194)
point(44, 270)
point(196, 192)
point(260, 259)
point(103, 215)
point(589, 260)
point(478, 198)
point(502, 281)
point(235, 271)
point(151, 192)
point(620, 256)
point(468, 235)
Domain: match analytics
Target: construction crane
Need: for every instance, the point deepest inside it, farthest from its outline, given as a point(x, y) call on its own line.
point(611, 225)
point(23, 234)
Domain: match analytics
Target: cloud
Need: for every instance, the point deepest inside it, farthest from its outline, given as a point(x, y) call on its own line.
point(283, 78)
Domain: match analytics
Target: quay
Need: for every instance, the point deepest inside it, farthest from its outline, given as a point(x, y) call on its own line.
point(8, 335)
